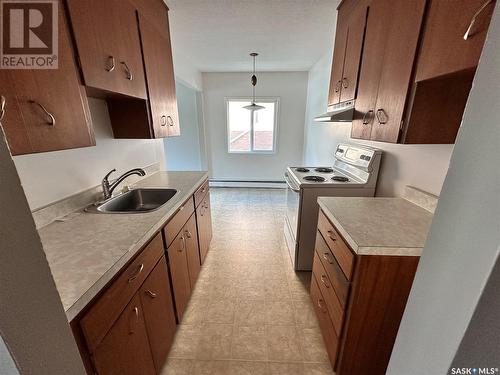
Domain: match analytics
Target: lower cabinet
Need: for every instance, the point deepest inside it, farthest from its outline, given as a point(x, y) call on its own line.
point(125, 349)
point(204, 220)
point(359, 301)
point(179, 272)
point(156, 301)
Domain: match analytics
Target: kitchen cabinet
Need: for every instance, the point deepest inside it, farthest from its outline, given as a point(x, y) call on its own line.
point(355, 298)
point(417, 68)
point(125, 349)
point(179, 273)
point(204, 222)
point(109, 50)
point(158, 117)
point(392, 35)
point(46, 109)
point(192, 249)
point(159, 316)
point(347, 53)
point(445, 50)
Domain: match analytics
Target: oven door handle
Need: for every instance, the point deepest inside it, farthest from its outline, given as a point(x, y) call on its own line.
point(289, 183)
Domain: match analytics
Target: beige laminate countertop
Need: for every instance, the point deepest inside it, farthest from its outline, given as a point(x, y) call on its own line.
point(87, 250)
point(379, 226)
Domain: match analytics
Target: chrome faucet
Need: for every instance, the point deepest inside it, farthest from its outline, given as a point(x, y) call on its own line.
point(107, 188)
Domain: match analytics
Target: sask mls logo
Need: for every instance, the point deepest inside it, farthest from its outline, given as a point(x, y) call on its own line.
point(29, 37)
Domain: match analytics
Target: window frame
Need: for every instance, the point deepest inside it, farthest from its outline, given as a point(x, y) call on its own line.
point(261, 99)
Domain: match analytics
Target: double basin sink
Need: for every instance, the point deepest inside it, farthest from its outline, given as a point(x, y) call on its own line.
point(137, 200)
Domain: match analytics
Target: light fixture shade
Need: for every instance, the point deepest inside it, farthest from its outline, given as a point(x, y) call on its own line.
point(253, 107)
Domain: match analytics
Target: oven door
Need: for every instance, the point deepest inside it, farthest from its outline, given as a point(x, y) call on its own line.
point(292, 205)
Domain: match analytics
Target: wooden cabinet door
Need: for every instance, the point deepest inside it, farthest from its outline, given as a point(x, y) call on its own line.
point(354, 47)
point(179, 272)
point(160, 78)
point(398, 58)
point(125, 349)
point(204, 220)
point(444, 49)
point(377, 27)
point(192, 249)
point(338, 57)
point(29, 127)
point(156, 300)
point(107, 39)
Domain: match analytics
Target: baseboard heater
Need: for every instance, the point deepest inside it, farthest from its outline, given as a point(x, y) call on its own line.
point(276, 184)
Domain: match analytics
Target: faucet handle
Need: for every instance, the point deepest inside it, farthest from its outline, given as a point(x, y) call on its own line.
point(107, 175)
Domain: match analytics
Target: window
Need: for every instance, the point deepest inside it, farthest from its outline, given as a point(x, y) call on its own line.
point(251, 134)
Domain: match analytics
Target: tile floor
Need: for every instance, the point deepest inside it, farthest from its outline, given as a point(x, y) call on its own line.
point(250, 313)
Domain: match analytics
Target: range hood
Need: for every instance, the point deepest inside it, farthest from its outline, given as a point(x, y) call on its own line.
point(340, 112)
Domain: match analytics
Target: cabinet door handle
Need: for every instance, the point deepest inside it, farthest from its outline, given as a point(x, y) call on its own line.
point(328, 258)
point(51, 119)
point(338, 85)
point(151, 293)
point(110, 64)
point(382, 117)
point(188, 234)
point(330, 235)
point(131, 328)
point(324, 280)
point(321, 306)
point(183, 241)
point(367, 119)
point(2, 107)
point(128, 72)
point(163, 120)
point(137, 273)
point(473, 20)
point(170, 121)
point(345, 82)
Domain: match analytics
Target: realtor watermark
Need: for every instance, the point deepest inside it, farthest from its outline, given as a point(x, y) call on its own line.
point(29, 34)
point(474, 370)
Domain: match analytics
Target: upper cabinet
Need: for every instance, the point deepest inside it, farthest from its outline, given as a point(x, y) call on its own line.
point(347, 53)
point(454, 36)
point(418, 61)
point(108, 46)
point(46, 109)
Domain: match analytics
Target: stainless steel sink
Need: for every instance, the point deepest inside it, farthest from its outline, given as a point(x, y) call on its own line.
point(137, 200)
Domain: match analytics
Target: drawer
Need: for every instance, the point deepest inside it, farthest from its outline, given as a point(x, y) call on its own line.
point(200, 193)
point(339, 248)
point(332, 302)
point(325, 324)
point(180, 218)
point(101, 316)
point(332, 268)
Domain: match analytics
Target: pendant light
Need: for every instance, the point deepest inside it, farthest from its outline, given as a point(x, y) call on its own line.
point(253, 107)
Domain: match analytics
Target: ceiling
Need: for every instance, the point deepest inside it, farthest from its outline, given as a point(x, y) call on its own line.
point(218, 35)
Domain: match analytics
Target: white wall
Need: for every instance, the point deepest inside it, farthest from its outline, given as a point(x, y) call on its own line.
point(51, 176)
point(33, 324)
point(183, 153)
point(291, 88)
point(463, 242)
point(422, 166)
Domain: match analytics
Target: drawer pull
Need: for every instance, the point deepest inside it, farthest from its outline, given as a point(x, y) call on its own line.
point(331, 236)
point(325, 281)
point(51, 119)
point(181, 208)
point(151, 293)
point(136, 312)
point(138, 272)
point(328, 257)
point(321, 306)
point(2, 107)
point(188, 234)
point(473, 20)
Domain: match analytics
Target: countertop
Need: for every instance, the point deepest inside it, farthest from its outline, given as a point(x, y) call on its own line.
point(379, 226)
point(86, 250)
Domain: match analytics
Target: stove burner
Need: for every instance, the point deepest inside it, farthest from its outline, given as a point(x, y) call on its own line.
point(302, 169)
point(340, 178)
point(314, 178)
point(324, 170)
